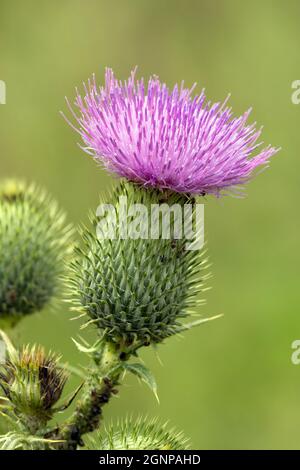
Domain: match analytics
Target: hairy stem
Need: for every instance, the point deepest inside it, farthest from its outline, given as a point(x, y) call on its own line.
point(99, 388)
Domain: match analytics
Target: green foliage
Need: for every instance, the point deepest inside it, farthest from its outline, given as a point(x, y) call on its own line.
point(33, 244)
point(142, 434)
point(137, 289)
point(144, 374)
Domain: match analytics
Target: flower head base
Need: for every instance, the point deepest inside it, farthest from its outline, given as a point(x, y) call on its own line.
point(167, 138)
point(143, 434)
point(138, 290)
point(32, 382)
point(33, 244)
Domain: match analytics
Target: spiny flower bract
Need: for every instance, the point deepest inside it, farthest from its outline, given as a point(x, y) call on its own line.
point(33, 382)
point(33, 244)
point(142, 434)
point(137, 288)
point(167, 138)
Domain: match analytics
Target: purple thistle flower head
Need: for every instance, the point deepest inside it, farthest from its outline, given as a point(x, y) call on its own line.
point(167, 138)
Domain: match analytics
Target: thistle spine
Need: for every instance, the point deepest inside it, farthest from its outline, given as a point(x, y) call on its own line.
point(34, 242)
point(138, 290)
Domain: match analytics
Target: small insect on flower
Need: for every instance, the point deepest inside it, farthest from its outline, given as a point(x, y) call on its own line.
point(167, 138)
point(33, 383)
point(33, 244)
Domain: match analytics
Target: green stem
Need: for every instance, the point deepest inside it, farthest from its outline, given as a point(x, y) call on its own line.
point(99, 388)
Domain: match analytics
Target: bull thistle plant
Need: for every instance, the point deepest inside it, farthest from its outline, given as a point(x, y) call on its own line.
point(126, 279)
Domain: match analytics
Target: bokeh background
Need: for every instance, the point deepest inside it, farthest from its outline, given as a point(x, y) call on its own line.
point(231, 383)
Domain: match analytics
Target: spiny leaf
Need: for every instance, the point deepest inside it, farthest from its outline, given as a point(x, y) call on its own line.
point(189, 326)
point(69, 400)
point(73, 370)
point(87, 350)
point(143, 373)
point(11, 350)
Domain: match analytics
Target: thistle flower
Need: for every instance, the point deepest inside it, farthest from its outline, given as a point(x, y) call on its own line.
point(33, 244)
point(32, 382)
point(143, 434)
point(167, 138)
point(138, 289)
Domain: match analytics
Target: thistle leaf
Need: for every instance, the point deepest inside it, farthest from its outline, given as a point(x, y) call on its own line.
point(10, 349)
point(69, 400)
point(189, 326)
point(73, 370)
point(87, 350)
point(143, 373)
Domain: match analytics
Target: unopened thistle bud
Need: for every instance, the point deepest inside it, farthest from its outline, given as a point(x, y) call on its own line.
point(143, 434)
point(33, 243)
point(32, 382)
point(138, 287)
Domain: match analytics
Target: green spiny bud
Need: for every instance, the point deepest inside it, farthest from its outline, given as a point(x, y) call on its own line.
point(32, 382)
point(142, 434)
point(138, 288)
point(33, 243)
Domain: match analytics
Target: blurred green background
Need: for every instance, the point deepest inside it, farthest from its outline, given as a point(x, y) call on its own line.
point(231, 383)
